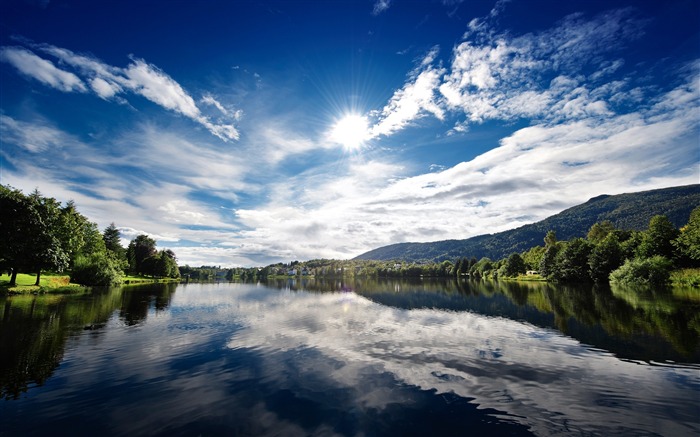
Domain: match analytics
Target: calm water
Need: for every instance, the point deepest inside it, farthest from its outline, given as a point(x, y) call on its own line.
point(367, 358)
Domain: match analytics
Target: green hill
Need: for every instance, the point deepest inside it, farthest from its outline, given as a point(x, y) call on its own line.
point(626, 211)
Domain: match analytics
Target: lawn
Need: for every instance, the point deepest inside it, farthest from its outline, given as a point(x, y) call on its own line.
point(49, 283)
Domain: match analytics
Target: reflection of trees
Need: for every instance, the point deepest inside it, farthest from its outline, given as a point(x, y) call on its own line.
point(34, 329)
point(630, 323)
point(33, 333)
point(136, 301)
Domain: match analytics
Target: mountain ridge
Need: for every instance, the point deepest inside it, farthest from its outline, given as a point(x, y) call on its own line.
point(631, 211)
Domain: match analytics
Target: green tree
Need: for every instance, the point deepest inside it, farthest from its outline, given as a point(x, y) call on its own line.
point(17, 219)
point(688, 241)
point(630, 245)
point(571, 263)
point(514, 265)
point(140, 248)
point(533, 257)
point(550, 239)
point(46, 252)
point(458, 267)
point(658, 238)
point(112, 238)
point(599, 231)
point(481, 268)
point(605, 257)
point(551, 249)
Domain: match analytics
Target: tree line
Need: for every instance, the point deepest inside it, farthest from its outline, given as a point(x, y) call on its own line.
point(605, 254)
point(39, 234)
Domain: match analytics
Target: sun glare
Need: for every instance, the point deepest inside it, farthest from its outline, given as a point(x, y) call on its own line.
point(351, 132)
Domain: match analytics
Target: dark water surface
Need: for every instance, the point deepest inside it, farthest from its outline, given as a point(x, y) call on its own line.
point(365, 358)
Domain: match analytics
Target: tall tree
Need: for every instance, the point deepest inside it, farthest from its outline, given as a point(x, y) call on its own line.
point(514, 265)
point(605, 257)
point(658, 238)
point(688, 241)
point(551, 249)
point(112, 238)
point(17, 219)
point(571, 262)
point(139, 249)
point(47, 251)
point(599, 231)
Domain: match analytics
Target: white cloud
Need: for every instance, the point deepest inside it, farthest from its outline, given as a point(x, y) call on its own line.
point(380, 6)
point(152, 83)
point(107, 82)
point(42, 70)
point(34, 138)
point(503, 77)
point(537, 171)
point(416, 99)
point(103, 88)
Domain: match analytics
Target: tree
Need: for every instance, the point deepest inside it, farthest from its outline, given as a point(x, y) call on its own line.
point(688, 241)
point(112, 239)
point(599, 231)
point(514, 265)
point(17, 219)
point(549, 259)
point(605, 257)
point(550, 239)
point(533, 257)
point(571, 263)
point(481, 268)
point(46, 252)
point(140, 248)
point(658, 238)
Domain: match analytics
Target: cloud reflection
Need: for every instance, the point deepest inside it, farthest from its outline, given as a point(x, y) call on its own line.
point(551, 383)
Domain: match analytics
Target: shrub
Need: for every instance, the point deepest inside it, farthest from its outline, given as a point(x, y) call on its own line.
point(96, 269)
point(654, 271)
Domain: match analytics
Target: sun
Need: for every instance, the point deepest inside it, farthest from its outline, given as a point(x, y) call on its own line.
point(351, 131)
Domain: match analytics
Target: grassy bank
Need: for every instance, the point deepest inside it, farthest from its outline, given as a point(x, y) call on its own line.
point(50, 283)
point(131, 279)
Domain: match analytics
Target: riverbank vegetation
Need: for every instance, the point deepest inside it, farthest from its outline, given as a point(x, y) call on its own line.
point(657, 256)
point(41, 235)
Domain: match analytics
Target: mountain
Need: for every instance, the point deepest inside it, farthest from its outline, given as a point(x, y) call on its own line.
point(630, 211)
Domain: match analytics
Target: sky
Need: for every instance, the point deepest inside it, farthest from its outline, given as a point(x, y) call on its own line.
point(245, 133)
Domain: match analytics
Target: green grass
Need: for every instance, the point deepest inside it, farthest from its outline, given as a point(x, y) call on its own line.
point(532, 278)
point(134, 279)
point(50, 283)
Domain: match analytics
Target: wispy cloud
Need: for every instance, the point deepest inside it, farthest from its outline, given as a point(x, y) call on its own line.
point(41, 69)
point(110, 82)
point(381, 6)
point(416, 99)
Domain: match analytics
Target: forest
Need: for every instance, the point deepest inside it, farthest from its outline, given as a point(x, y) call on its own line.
point(39, 234)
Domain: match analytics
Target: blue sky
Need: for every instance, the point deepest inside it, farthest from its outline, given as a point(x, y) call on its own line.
point(250, 132)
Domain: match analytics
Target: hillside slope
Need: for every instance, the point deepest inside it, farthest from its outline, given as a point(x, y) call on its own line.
point(625, 211)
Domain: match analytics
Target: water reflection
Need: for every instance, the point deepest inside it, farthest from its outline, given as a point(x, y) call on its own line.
point(636, 325)
point(34, 328)
point(331, 358)
point(545, 381)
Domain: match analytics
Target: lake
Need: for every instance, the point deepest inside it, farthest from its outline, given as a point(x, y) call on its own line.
point(372, 358)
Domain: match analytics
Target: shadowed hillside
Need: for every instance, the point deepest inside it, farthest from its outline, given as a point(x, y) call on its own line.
point(626, 211)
